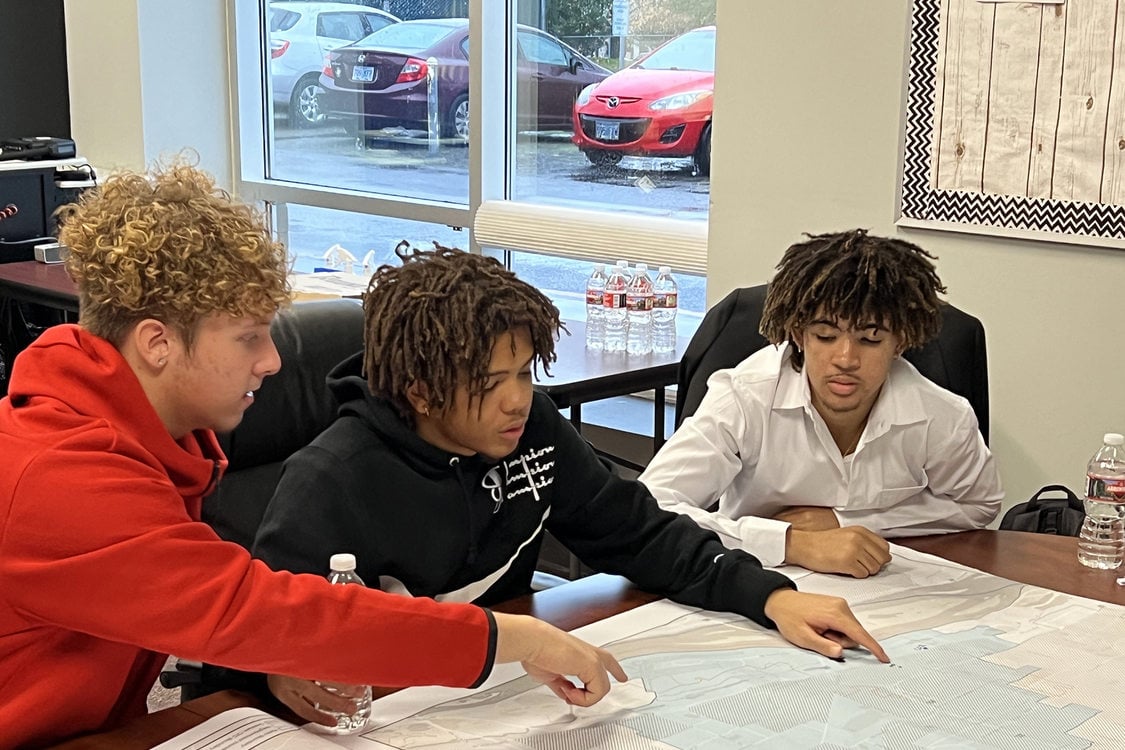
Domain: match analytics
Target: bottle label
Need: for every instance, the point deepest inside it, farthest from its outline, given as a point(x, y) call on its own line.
point(614, 300)
point(595, 297)
point(638, 302)
point(666, 300)
point(1106, 489)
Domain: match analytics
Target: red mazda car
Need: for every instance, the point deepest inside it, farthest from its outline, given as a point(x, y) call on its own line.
point(658, 106)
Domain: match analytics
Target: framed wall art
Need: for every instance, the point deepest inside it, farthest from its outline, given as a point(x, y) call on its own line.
point(1015, 119)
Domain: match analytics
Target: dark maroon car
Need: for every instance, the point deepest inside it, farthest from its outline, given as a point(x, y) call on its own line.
point(381, 80)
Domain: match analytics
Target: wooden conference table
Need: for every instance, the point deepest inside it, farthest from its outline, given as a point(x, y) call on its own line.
point(44, 284)
point(1038, 559)
point(580, 375)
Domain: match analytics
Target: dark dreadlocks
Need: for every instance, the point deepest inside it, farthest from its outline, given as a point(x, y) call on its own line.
point(434, 319)
point(856, 277)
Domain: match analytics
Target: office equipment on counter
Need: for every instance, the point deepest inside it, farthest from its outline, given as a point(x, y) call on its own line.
point(30, 193)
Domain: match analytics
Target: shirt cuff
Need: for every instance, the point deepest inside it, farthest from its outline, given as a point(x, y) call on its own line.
point(767, 542)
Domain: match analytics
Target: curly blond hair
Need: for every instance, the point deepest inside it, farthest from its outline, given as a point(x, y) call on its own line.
point(171, 246)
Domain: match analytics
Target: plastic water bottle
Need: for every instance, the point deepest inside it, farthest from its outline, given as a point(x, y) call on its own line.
point(595, 308)
point(1102, 539)
point(342, 571)
point(616, 320)
point(665, 298)
point(638, 301)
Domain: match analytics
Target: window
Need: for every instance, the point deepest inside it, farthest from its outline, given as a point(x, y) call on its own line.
point(364, 136)
point(541, 50)
point(320, 238)
point(346, 26)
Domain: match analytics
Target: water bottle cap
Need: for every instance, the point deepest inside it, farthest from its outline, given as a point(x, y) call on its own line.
point(622, 264)
point(599, 266)
point(641, 268)
point(665, 269)
point(342, 561)
point(1113, 438)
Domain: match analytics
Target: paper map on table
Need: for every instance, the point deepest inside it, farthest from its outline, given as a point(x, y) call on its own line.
point(978, 662)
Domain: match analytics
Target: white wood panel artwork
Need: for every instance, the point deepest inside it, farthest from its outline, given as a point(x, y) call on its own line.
point(1016, 117)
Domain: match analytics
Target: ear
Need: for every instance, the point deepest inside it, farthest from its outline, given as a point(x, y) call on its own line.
point(154, 342)
point(797, 339)
point(418, 394)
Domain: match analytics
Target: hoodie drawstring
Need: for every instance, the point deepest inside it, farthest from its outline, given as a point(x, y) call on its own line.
point(455, 464)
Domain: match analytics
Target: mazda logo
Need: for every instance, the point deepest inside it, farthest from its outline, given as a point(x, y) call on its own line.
point(612, 102)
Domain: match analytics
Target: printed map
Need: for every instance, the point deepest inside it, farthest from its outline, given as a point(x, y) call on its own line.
point(977, 662)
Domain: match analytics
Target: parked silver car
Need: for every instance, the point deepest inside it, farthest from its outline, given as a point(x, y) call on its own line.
point(301, 34)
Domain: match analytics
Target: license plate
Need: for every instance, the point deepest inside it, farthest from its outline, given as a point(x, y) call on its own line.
point(363, 73)
point(605, 130)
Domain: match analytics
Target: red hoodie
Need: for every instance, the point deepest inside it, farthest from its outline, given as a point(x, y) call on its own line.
point(105, 566)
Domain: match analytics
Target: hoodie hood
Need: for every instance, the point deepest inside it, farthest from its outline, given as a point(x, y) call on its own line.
point(69, 383)
point(472, 474)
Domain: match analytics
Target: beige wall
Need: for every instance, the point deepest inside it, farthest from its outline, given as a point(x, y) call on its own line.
point(148, 78)
point(809, 138)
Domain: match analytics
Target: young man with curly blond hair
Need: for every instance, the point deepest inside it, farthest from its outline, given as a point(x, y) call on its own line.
point(817, 448)
point(108, 446)
point(446, 469)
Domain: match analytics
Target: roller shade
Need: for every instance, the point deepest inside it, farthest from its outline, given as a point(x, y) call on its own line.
point(597, 235)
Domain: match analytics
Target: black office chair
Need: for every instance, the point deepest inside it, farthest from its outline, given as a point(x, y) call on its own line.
point(955, 360)
point(290, 409)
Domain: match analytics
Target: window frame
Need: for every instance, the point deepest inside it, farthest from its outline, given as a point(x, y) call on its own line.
point(492, 26)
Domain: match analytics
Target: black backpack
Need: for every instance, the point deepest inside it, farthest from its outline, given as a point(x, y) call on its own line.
point(1051, 515)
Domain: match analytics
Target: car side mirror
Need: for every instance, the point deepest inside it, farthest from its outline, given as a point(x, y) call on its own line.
point(575, 65)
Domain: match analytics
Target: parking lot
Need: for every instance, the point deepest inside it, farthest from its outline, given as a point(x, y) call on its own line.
point(548, 169)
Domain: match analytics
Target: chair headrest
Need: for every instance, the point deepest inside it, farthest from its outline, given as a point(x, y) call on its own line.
point(295, 405)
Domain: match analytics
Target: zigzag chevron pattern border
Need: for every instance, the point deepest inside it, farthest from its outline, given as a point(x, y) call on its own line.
point(920, 201)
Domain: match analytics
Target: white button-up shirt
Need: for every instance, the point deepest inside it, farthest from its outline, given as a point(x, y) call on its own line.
point(756, 445)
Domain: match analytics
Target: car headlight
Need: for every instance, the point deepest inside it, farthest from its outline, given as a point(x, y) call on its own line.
point(585, 94)
point(679, 101)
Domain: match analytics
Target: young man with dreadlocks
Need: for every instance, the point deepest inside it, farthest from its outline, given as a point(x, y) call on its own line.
point(445, 468)
point(818, 447)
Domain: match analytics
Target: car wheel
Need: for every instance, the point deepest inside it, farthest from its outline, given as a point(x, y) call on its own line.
point(304, 103)
point(457, 123)
point(703, 152)
point(600, 158)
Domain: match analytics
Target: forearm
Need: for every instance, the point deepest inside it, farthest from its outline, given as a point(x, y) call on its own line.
point(675, 557)
point(925, 513)
point(764, 538)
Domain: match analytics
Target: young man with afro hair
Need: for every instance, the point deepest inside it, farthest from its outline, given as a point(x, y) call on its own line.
point(813, 450)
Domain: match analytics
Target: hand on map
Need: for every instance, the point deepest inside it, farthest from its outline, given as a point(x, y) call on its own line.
point(824, 624)
point(302, 696)
point(549, 655)
point(816, 543)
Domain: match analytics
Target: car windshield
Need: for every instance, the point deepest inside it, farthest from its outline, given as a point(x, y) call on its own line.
point(694, 50)
point(407, 37)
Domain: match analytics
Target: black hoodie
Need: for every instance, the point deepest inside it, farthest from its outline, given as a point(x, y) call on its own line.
point(425, 522)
